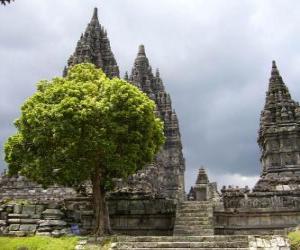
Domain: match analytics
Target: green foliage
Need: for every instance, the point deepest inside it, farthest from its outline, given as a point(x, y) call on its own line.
point(38, 243)
point(294, 238)
point(72, 125)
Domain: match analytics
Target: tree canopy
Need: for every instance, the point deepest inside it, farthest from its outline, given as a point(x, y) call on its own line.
point(81, 126)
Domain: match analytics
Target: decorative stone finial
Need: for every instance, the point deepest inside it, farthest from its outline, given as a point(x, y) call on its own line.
point(202, 177)
point(157, 74)
point(141, 50)
point(274, 71)
point(95, 14)
point(126, 76)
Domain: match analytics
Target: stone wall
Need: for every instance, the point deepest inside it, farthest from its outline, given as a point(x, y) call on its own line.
point(141, 215)
point(20, 188)
point(29, 219)
point(246, 212)
point(129, 215)
point(254, 222)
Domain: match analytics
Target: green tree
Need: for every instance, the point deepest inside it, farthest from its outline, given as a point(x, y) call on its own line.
point(84, 127)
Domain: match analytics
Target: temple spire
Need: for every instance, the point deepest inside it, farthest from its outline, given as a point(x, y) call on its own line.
point(94, 47)
point(151, 84)
point(279, 123)
point(275, 78)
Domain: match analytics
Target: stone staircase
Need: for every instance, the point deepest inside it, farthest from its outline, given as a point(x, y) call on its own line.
point(194, 230)
point(213, 242)
point(194, 218)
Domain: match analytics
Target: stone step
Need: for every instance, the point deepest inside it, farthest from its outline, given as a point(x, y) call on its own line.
point(195, 206)
point(193, 223)
point(194, 214)
point(195, 232)
point(192, 227)
point(159, 245)
point(196, 202)
point(212, 238)
point(193, 219)
point(193, 210)
point(121, 248)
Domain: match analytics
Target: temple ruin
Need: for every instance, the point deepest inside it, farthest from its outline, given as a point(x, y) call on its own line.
point(153, 201)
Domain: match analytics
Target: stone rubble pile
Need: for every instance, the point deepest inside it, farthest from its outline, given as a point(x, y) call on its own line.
point(30, 219)
point(52, 224)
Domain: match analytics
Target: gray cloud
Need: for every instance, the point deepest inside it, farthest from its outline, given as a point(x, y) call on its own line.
point(214, 58)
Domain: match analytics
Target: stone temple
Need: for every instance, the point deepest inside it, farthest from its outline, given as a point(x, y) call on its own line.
point(152, 205)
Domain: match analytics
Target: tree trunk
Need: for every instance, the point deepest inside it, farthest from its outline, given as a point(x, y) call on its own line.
point(107, 227)
point(98, 203)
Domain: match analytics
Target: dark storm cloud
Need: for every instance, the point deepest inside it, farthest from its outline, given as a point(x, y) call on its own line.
point(214, 57)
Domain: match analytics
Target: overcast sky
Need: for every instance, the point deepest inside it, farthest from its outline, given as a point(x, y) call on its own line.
point(214, 58)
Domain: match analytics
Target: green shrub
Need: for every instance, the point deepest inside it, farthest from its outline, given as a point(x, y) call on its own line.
point(294, 238)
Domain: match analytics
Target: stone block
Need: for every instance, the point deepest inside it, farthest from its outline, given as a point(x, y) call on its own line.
point(14, 227)
point(14, 221)
point(43, 234)
point(54, 214)
point(28, 228)
point(29, 221)
point(28, 209)
point(52, 223)
point(39, 209)
point(66, 231)
point(44, 229)
point(18, 233)
point(18, 216)
point(3, 223)
point(56, 233)
point(36, 216)
point(18, 209)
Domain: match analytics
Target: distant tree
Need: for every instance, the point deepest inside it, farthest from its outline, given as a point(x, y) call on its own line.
point(84, 127)
point(5, 1)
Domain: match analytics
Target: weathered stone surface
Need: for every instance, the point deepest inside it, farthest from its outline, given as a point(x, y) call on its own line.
point(47, 223)
point(44, 229)
point(18, 233)
point(56, 233)
point(17, 209)
point(18, 216)
point(43, 234)
point(28, 209)
point(14, 227)
point(52, 214)
point(28, 227)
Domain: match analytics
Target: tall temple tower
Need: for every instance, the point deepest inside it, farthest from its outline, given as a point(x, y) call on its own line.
point(165, 176)
point(279, 138)
point(169, 163)
point(94, 47)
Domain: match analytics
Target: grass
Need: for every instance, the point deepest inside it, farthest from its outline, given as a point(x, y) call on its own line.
point(294, 238)
point(38, 243)
point(105, 245)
